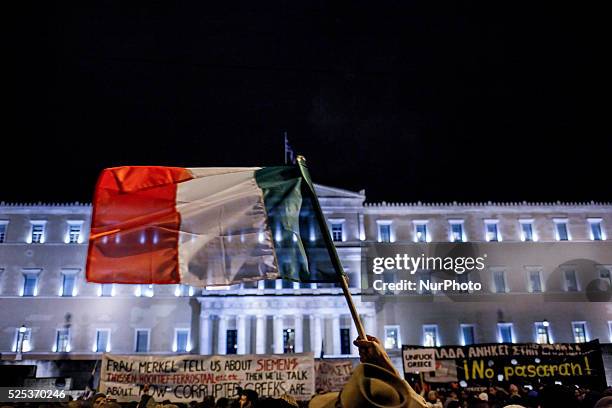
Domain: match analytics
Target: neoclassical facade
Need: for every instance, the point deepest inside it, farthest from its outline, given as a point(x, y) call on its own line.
point(547, 279)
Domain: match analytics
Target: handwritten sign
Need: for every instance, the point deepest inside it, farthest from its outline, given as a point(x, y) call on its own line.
point(191, 377)
point(332, 375)
point(419, 360)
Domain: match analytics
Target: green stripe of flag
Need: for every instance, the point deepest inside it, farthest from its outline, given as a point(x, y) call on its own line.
point(301, 248)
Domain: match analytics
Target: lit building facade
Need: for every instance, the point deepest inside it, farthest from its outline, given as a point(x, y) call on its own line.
point(547, 281)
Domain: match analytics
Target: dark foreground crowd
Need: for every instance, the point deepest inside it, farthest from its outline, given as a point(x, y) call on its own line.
point(375, 383)
point(550, 396)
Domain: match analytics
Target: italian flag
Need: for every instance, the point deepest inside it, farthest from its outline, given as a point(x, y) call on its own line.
point(207, 226)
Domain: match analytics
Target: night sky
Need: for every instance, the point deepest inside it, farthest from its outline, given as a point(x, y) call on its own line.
point(411, 101)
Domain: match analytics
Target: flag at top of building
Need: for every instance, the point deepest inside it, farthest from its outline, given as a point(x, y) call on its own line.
point(208, 226)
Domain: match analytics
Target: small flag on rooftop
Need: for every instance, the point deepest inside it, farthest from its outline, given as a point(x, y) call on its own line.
point(289, 154)
point(207, 226)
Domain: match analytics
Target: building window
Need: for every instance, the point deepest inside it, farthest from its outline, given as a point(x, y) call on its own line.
point(3, 226)
point(467, 334)
point(144, 290)
point(74, 234)
point(183, 290)
point(231, 341)
point(561, 230)
point(345, 340)
point(430, 335)
point(68, 283)
point(527, 230)
point(604, 274)
point(37, 232)
point(571, 281)
point(181, 341)
point(505, 332)
point(23, 339)
point(542, 332)
point(388, 277)
point(106, 289)
point(535, 280)
point(456, 231)
point(142, 340)
point(286, 283)
point(337, 230)
point(595, 229)
point(580, 332)
point(392, 337)
point(384, 231)
point(102, 343)
point(499, 280)
point(424, 276)
point(464, 278)
point(62, 340)
point(243, 285)
point(420, 231)
point(30, 283)
point(288, 341)
point(492, 231)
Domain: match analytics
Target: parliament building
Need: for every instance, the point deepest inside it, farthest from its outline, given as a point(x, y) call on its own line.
point(547, 280)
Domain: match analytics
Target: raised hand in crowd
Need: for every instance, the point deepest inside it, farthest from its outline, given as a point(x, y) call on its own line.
point(371, 351)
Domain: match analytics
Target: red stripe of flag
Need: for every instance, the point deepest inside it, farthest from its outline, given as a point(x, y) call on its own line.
point(135, 224)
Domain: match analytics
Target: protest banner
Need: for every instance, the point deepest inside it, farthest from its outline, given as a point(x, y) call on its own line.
point(484, 364)
point(184, 378)
point(419, 360)
point(332, 375)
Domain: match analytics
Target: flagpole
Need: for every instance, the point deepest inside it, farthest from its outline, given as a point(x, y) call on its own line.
point(332, 250)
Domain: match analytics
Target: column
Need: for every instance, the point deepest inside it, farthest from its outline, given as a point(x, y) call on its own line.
point(362, 236)
point(260, 335)
point(354, 350)
point(278, 335)
point(241, 328)
point(336, 350)
point(222, 340)
point(205, 334)
point(299, 334)
point(316, 338)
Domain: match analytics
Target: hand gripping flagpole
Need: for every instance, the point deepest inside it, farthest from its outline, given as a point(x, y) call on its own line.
point(301, 161)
